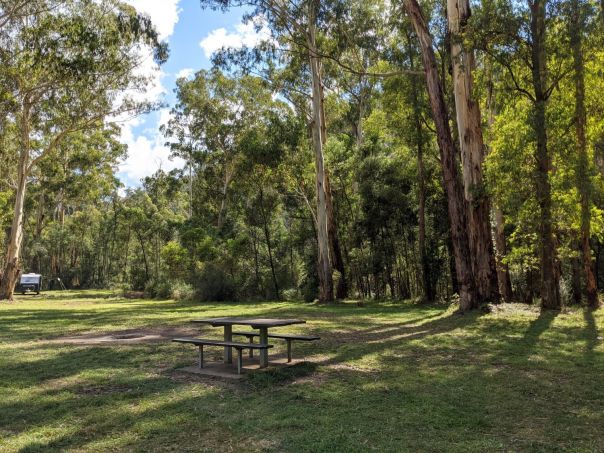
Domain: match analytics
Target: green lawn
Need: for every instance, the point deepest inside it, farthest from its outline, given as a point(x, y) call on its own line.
point(387, 377)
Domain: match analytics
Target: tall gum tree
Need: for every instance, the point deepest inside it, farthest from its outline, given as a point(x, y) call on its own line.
point(317, 128)
point(503, 271)
point(456, 204)
point(472, 153)
point(576, 27)
point(550, 289)
point(56, 83)
point(293, 28)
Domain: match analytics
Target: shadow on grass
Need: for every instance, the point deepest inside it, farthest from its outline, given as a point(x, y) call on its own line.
point(439, 383)
point(591, 333)
point(537, 327)
point(280, 375)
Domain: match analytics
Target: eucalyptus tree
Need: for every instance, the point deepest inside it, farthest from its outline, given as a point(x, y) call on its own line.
point(211, 123)
point(468, 294)
point(294, 28)
point(577, 22)
point(528, 42)
point(65, 70)
point(77, 176)
point(472, 150)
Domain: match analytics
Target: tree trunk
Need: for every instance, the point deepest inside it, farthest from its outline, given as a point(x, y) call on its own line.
point(256, 266)
point(456, 205)
point(267, 237)
point(576, 28)
point(223, 202)
point(142, 243)
point(576, 276)
point(13, 252)
point(550, 291)
point(337, 261)
point(12, 269)
point(503, 273)
point(334, 244)
point(472, 154)
point(38, 231)
point(428, 294)
point(324, 263)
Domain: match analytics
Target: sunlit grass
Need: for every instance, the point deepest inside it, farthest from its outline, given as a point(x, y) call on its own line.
point(385, 377)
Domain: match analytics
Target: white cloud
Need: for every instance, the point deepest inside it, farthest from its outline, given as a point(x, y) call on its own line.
point(185, 73)
point(146, 150)
point(163, 14)
point(243, 35)
point(146, 154)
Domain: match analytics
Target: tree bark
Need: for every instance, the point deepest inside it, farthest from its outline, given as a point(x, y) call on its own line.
point(337, 261)
point(472, 154)
point(12, 269)
point(576, 28)
point(334, 243)
point(503, 273)
point(324, 262)
point(550, 291)
point(456, 205)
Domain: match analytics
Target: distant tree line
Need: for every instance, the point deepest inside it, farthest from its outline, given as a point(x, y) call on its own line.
point(426, 151)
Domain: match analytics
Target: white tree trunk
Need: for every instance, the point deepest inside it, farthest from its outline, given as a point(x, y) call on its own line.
point(13, 252)
point(472, 153)
point(324, 263)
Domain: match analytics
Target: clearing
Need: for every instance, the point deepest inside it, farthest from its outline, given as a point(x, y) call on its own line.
point(90, 371)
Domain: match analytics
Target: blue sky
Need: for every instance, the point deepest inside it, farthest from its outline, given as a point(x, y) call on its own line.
point(192, 34)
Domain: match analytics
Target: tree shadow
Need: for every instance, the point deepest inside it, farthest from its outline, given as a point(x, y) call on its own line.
point(355, 344)
point(537, 327)
point(591, 333)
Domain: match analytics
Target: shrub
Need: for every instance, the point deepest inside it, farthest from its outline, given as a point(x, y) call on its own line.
point(290, 294)
point(158, 288)
point(213, 283)
point(182, 291)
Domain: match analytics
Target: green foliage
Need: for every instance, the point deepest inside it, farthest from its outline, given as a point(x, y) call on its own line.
point(213, 283)
point(239, 221)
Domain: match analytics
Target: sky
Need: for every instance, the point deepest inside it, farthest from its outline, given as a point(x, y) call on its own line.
point(193, 34)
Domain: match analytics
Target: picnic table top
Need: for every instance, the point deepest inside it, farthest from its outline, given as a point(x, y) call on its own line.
point(252, 322)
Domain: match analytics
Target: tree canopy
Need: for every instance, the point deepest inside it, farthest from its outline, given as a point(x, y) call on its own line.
point(409, 150)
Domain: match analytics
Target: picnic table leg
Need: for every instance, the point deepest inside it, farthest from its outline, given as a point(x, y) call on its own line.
point(289, 350)
point(251, 350)
point(263, 352)
point(228, 351)
point(200, 356)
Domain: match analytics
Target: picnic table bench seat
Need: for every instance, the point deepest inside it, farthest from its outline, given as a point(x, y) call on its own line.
point(287, 337)
point(201, 342)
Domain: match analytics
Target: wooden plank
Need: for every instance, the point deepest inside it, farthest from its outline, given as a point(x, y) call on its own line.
point(253, 322)
point(232, 344)
point(281, 336)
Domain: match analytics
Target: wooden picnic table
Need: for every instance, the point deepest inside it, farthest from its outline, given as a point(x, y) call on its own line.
point(262, 324)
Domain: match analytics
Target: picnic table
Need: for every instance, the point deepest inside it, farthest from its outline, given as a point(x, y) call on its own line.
point(262, 324)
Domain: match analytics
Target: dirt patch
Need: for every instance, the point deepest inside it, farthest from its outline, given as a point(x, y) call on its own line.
point(129, 336)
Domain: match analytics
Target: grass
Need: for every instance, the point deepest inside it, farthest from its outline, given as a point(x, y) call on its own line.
point(384, 377)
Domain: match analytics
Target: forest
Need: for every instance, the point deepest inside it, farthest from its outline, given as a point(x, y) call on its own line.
point(414, 150)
